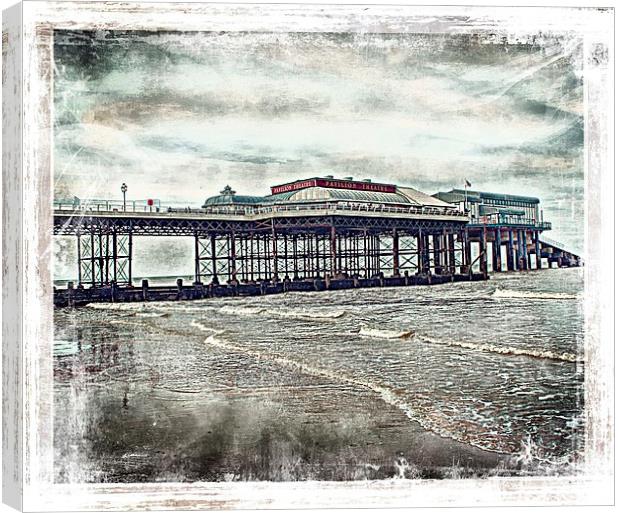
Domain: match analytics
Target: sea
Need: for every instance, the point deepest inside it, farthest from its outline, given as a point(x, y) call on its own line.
point(452, 380)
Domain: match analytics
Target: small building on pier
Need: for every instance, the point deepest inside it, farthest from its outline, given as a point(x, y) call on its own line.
point(509, 227)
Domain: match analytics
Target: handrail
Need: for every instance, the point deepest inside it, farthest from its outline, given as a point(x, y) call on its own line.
point(552, 242)
point(96, 205)
point(266, 209)
point(511, 220)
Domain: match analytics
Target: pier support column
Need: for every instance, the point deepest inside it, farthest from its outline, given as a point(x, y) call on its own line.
point(130, 255)
point(466, 252)
point(537, 243)
point(395, 253)
point(519, 258)
point(213, 258)
point(520, 255)
point(79, 256)
point(232, 248)
point(526, 251)
point(274, 251)
point(510, 252)
point(365, 252)
point(451, 256)
point(497, 251)
point(333, 252)
point(196, 259)
point(437, 253)
point(484, 267)
point(295, 263)
point(526, 254)
point(422, 253)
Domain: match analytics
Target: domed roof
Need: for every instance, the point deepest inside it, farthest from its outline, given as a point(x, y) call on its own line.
point(322, 193)
point(229, 197)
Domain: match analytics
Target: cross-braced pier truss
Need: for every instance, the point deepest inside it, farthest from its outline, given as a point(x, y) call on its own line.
point(319, 228)
point(280, 248)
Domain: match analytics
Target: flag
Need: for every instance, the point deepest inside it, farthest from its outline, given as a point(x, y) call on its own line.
point(467, 184)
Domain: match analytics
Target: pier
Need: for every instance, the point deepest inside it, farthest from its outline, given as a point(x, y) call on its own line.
point(308, 235)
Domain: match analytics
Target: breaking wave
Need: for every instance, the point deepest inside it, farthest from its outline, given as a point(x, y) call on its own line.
point(387, 334)
point(118, 306)
point(282, 313)
point(304, 314)
point(132, 309)
point(523, 294)
point(145, 310)
point(505, 350)
point(245, 311)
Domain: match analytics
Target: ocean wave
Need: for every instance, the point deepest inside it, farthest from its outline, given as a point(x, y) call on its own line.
point(387, 334)
point(282, 313)
point(304, 314)
point(505, 350)
point(132, 309)
point(524, 294)
point(428, 418)
point(389, 396)
point(202, 327)
point(117, 306)
point(146, 310)
point(244, 311)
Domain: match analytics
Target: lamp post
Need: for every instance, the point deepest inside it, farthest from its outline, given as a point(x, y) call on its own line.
point(124, 191)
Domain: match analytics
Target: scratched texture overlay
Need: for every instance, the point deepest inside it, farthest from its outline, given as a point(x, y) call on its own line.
point(460, 394)
point(287, 389)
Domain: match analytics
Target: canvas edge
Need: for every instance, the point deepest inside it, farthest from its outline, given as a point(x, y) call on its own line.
point(38, 157)
point(599, 387)
point(12, 263)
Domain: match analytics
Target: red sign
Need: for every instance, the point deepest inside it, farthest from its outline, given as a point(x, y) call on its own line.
point(334, 184)
point(295, 186)
point(149, 202)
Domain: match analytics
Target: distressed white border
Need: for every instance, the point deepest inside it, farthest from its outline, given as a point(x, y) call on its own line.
point(596, 28)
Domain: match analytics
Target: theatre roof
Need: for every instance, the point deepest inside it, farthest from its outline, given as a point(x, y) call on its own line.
point(330, 189)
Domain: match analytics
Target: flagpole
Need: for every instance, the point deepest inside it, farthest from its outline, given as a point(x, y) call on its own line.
point(465, 205)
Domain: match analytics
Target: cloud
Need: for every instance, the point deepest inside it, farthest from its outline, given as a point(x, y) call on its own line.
point(180, 115)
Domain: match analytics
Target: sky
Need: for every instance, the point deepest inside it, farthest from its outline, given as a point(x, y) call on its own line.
point(177, 116)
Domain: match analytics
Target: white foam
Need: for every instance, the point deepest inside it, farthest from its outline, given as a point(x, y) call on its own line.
point(505, 350)
point(283, 313)
point(387, 334)
point(524, 294)
point(546, 397)
point(118, 306)
point(151, 314)
point(304, 314)
point(202, 327)
point(245, 311)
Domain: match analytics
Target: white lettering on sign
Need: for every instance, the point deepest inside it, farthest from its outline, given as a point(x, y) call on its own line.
point(334, 184)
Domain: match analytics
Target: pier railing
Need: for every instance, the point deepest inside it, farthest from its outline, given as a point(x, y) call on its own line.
point(98, 205)
point(115, 207)
point(512, 220)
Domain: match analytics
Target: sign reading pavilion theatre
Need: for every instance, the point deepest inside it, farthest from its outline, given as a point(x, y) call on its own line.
point(333, 184)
